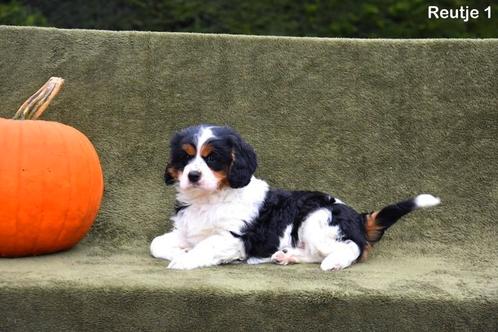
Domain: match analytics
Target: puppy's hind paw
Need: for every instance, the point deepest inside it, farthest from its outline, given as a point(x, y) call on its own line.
point(334, 263)
point(283, 257)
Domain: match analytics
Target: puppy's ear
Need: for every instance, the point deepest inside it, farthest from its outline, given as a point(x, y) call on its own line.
point(244, 163)
point(170, 175)
point(171, 172)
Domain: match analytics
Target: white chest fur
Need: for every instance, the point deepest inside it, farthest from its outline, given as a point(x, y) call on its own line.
point(217, 213)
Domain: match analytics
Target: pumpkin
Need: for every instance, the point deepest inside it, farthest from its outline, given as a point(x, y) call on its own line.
point(51, 182)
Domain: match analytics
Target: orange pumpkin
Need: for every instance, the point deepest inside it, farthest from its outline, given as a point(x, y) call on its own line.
point(51, 181)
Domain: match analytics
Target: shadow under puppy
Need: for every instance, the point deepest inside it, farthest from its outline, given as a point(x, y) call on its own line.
point(225, 214)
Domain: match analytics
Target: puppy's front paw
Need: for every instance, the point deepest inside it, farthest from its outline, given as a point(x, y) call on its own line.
point(158, 248)
point(186, 262)
point(162, 247)
point(182, 263)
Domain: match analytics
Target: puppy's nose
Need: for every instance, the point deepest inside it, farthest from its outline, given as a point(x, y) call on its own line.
point(194, 176)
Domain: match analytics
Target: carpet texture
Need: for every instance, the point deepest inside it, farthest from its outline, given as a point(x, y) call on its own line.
point(369, 121)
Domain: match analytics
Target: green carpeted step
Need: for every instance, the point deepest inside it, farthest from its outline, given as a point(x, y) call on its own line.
point(88, 288)
point(369, 121)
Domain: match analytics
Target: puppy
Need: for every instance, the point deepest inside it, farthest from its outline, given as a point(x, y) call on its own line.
point(225, 214)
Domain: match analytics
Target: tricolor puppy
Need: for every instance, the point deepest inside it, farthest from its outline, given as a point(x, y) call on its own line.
point(225, 214)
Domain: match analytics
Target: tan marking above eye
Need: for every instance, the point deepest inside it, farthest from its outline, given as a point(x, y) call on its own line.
point(206, 150)
point(189, 149)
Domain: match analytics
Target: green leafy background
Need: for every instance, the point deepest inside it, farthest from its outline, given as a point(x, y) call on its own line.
point(322, 18)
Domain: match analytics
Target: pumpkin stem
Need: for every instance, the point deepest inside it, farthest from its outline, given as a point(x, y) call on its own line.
point(38, 103)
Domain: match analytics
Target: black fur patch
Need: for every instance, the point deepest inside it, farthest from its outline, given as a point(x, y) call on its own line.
point(351, 223)
point(243, 158)
point(281, 208)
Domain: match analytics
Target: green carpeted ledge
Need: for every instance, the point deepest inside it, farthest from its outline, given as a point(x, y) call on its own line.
point(370, 121)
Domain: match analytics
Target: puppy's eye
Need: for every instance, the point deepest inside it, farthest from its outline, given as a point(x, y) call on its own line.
point(184, 156)
point(215, 161)
point(210, 158)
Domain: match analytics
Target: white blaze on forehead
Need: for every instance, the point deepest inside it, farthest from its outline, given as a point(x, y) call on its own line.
point(208, 180)
point(204, 134)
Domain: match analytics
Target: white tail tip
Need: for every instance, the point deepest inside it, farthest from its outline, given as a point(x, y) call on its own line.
point(426, 200)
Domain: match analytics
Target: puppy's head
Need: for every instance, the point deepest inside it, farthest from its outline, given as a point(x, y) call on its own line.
point(209, 158)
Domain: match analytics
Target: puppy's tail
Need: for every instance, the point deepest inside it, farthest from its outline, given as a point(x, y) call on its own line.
point(377, 222)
